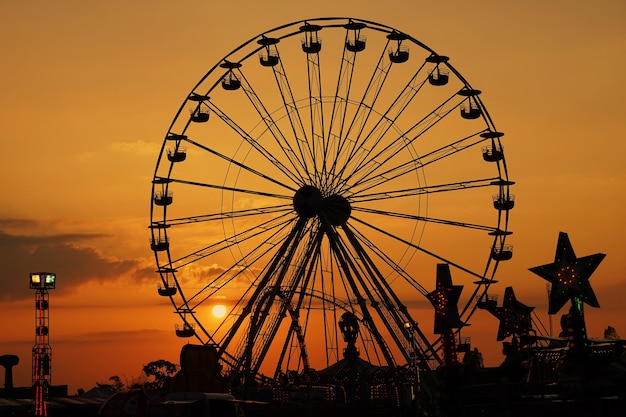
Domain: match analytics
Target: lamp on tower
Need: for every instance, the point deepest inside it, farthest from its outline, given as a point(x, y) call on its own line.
point(42, 280)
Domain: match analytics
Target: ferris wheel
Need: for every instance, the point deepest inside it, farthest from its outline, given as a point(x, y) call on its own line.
point(327, 167)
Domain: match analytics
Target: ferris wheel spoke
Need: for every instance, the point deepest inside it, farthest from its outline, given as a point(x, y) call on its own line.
point(426, 219)
point(318, 140)
point(225, 188)
point(371, 279)
point(370, 96)
point(371, 159)
point(407, 167)
point(305, 258)
point(248, 260)
point(373, 289)
point(292, 110)
point(349, 136)
point(420, 248)
point(200, 218)
point(384, 257)
point(293, 156)
point(355, 284)
point(354, 42)
point(337, 122)
point(313, 263)
point(438, 188)
point(265, 325)
point(268, 277)
point(295, 335)
point(253, 232)
point(356, 126)
point(251, 141)
point(395, 312)
point(371, 140)
point(290, 297)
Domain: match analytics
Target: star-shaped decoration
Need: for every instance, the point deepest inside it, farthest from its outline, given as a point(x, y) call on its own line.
point(514, 316)
point(569, 275)
point(445, 299)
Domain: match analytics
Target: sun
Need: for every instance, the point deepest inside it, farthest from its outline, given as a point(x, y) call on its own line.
point(218, 311)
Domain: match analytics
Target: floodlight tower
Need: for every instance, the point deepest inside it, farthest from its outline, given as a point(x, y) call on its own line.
point(42, 352)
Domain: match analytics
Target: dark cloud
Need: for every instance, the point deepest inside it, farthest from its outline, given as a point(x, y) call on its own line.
point(114, 336)
point(73, 257)
point(9, 223)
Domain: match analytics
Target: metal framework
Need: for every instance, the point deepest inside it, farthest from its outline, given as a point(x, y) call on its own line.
point(41, 282)
point(322, 167)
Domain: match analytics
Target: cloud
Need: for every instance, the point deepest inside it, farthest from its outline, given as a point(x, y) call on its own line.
point(86, 157)
point(16, 223)
point(138, 147)
point(114, 337)
point(74, 257)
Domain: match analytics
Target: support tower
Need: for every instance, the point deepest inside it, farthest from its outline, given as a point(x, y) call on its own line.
point(42, 352)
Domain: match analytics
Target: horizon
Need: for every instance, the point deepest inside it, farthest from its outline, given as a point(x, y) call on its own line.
point(89, 96)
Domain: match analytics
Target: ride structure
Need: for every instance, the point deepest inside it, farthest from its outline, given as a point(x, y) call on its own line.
point(312, 182)
point(322, 168)
point(569, 279)
point(544, 374)
point(42, 282)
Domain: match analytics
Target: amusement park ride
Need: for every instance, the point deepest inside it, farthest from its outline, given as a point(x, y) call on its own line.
point(42, 283)
point(319, 186)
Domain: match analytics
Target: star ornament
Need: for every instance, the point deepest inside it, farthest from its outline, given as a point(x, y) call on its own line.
point(515, 317)
point(445, 299)
point(569, 275)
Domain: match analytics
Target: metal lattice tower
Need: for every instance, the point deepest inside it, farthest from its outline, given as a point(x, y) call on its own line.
point(42, 351)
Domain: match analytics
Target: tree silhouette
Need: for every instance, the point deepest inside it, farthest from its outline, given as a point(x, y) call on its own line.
point(116, 383)
point(611, 334)
point(157, 375)
point(160, 374)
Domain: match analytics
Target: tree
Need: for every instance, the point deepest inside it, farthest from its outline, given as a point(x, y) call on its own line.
point(157, 375)
point(610, 333)
point(116, 383)
point(160, 374)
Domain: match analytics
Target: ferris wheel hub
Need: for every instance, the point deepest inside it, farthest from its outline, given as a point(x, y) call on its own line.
point(337, 209)
point(308, 201)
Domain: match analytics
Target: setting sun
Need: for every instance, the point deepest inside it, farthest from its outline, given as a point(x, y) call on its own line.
point(219, 311)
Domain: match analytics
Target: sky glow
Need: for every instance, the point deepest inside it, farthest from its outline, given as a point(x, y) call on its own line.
point(88, 93)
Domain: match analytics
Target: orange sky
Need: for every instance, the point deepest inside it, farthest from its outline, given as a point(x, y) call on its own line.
point(90, 88)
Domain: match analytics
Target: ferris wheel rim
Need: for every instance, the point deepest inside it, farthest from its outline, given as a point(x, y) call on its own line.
point(168, 272)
